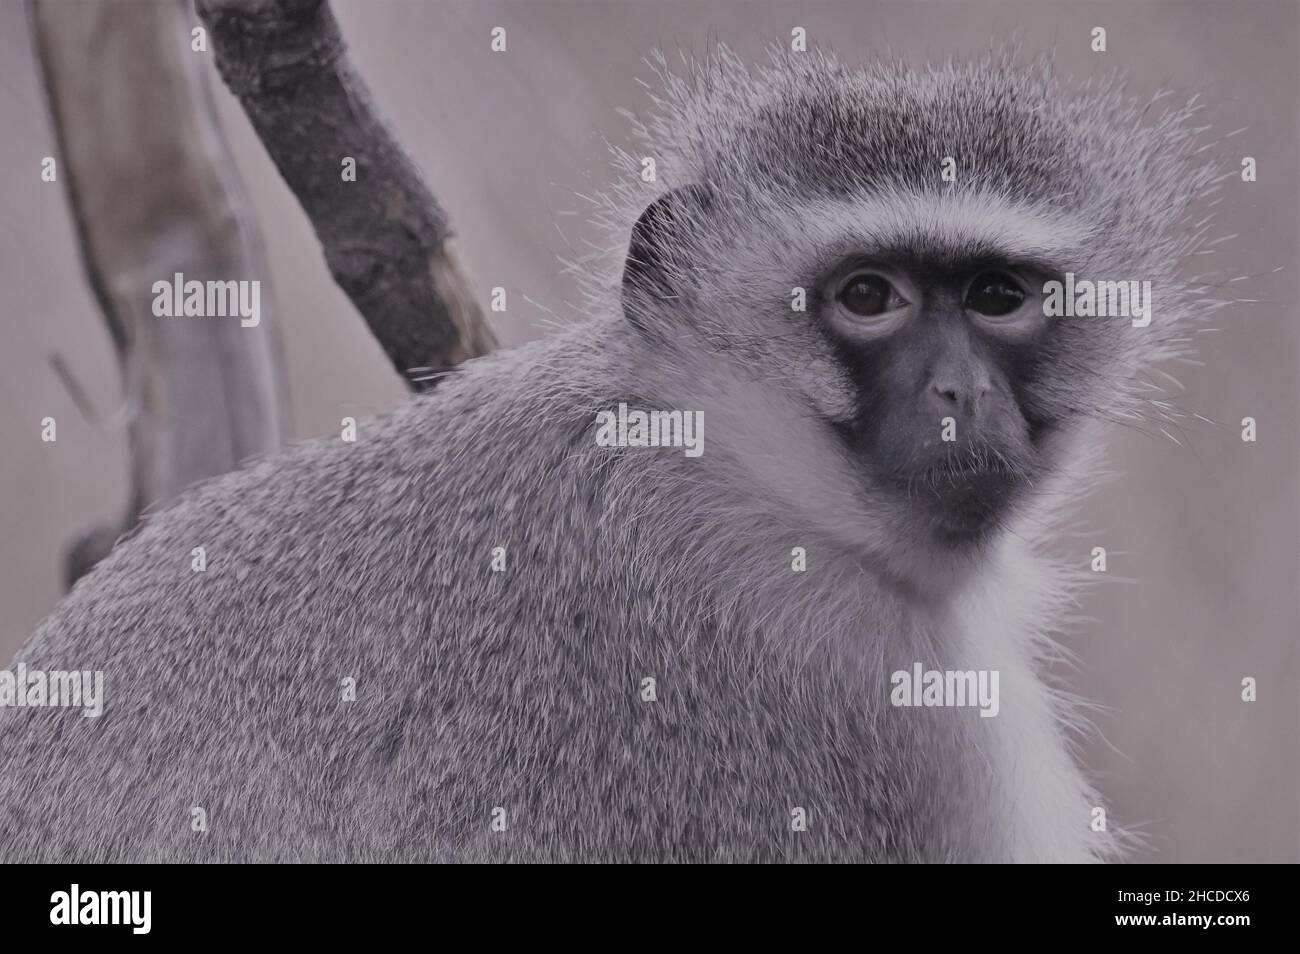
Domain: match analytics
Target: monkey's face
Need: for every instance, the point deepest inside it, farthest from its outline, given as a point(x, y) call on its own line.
point(943, 358)
point(923, 344)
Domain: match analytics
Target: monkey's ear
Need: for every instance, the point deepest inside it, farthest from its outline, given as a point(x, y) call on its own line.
point(660, 246)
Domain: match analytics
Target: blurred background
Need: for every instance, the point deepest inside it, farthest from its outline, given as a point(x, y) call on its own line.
point(1203, 538)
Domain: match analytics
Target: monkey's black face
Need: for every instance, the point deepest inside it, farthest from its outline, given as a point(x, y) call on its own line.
point(940, 357)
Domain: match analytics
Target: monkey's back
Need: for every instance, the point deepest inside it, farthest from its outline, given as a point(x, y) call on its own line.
point(328, 565)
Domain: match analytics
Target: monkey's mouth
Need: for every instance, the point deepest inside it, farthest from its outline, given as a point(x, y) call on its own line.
point(964, 501)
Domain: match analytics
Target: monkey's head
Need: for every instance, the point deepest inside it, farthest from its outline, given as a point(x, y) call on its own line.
point(878, 244)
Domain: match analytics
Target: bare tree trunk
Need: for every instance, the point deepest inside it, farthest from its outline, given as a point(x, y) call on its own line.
point(154, 193)
point(386, 239)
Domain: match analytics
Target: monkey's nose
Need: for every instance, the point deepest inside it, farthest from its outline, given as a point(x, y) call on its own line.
point(945, 393)
point(951, 397)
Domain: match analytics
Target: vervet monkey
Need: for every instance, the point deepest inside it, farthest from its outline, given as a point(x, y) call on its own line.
point(478, 633)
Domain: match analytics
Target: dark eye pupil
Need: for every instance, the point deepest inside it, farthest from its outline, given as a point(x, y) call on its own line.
point(994, 294)
point(866, 295)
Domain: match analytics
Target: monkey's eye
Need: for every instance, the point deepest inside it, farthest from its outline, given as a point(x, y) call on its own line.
point(868, 294)
point(994, 294)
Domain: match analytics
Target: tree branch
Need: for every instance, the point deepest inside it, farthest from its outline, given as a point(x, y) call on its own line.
point(153, 192)
point(386, 240)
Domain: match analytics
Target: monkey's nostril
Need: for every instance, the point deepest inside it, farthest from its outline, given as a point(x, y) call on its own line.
point(945, 394)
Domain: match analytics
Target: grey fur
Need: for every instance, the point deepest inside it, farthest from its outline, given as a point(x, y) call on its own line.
point(521, 689)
